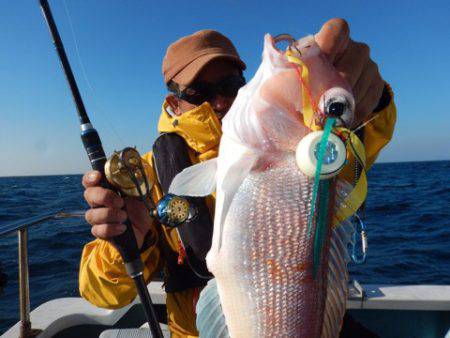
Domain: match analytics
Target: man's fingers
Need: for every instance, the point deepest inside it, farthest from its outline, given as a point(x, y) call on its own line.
point(333, 38)
point(136, 208)
point(369, 73)
point(138, 213)
point(105, 215)
point(352, 62)
point(101, 197)
point(107, 231)
point(91, 179)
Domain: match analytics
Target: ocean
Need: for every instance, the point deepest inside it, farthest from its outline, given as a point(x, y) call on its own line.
point(407, 219)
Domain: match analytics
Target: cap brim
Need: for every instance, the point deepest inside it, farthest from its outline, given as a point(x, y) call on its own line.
point(191, 71)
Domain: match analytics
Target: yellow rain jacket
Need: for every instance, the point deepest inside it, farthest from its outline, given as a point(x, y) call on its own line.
point(103, 280)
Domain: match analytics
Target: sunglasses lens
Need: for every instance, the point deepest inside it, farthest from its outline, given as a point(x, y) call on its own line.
point(196, 99)
point(230, 86)
point(201, 92)
point(197, 93)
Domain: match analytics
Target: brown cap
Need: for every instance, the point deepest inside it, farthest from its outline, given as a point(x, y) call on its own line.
point(186, 57)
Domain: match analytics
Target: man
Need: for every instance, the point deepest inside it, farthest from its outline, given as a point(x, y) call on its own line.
point(203, 71)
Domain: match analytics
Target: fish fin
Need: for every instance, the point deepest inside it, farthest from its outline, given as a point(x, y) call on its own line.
point(210, 318)
point(337, 284)
point(196, 180)
point(231, 182)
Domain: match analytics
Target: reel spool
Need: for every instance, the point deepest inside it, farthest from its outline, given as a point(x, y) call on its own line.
point(126, 171)
point(174, 210)
point(307, 152)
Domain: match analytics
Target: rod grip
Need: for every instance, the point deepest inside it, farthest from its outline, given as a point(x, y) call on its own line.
point(126, 242)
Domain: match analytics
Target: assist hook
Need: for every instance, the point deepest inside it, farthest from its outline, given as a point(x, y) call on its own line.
point(359, 257)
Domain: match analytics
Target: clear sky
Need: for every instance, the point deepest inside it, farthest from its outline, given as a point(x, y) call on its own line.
point(121, 45)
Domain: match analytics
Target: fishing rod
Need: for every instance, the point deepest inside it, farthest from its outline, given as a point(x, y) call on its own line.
point(125, 243)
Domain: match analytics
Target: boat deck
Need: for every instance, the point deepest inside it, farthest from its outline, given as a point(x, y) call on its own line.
point(395, 311)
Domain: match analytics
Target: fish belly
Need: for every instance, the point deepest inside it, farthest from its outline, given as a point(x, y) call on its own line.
point(264, 265)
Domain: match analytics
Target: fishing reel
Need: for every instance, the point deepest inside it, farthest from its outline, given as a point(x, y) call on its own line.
point(132, 177)
point(125, 171)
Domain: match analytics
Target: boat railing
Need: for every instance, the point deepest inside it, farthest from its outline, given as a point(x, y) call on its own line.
point(21, 228)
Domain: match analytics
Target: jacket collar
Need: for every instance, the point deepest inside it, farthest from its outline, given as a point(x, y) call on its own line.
point(199, 127)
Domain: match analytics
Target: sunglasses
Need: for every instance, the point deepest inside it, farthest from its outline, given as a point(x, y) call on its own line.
point(200, 92)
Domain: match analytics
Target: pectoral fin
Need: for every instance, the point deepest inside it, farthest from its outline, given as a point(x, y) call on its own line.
point(197, 180)
point(210, 318)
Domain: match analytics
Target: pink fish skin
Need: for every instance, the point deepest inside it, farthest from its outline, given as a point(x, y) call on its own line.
point(261, 255)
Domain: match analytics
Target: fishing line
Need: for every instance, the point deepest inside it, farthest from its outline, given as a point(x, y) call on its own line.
point(367, 122)
point(85, 77)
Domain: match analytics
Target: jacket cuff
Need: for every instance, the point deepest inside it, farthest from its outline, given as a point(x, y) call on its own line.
point(385, 99)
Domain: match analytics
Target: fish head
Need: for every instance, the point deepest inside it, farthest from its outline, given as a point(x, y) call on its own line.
point(286, 100)
point(325, 90)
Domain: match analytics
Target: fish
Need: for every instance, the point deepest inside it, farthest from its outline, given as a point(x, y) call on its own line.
point(277, 274)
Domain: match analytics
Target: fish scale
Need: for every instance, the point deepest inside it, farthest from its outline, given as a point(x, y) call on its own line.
point(266, 253)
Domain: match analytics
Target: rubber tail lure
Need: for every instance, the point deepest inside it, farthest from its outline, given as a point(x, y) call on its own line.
point(322, 208)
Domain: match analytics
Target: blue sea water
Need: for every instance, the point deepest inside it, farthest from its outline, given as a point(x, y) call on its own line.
point(407, 216)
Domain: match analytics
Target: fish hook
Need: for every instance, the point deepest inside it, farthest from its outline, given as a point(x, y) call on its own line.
point(284, 37)
point(289, 39)
point(359, 258)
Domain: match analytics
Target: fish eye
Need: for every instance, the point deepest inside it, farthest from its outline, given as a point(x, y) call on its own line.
point(337, 107)
point(338, 103)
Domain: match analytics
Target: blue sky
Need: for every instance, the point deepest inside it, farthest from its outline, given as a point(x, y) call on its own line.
point(121, 45)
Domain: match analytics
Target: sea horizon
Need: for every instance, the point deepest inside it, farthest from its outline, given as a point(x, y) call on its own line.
point(77, 174)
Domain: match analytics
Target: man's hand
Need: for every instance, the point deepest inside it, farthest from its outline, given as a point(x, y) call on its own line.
point(106, 214)
point(352, 60)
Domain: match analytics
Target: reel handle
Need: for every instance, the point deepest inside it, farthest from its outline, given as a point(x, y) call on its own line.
point(125, 243)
